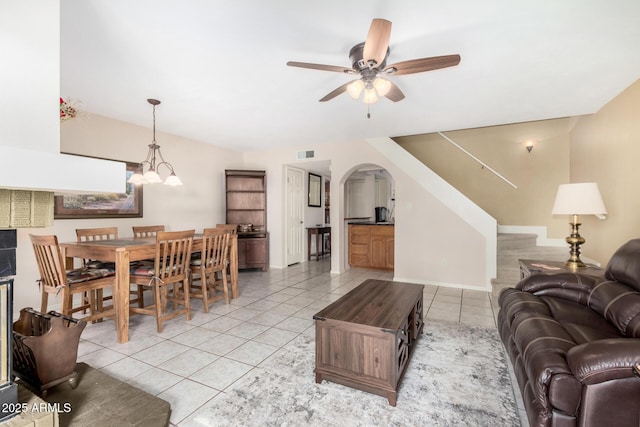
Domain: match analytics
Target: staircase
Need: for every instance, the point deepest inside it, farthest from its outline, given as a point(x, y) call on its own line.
point(511, 248)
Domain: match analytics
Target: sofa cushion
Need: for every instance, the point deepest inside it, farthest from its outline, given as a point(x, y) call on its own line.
point(582, 323)
point(619, 304)
point(624, 265)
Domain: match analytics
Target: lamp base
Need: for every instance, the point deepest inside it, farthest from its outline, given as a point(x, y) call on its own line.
point(575, 240)
point(574, 265)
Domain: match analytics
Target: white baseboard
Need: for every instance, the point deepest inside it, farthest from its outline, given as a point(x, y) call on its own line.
point(483, 288)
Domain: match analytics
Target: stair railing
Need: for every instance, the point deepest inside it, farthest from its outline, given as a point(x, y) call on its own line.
point(484, 165)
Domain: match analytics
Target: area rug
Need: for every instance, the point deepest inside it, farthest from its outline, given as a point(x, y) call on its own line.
point(457, 377)
point(101, 400)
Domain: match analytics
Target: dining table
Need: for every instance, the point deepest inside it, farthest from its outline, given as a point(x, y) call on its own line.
point(122, 251)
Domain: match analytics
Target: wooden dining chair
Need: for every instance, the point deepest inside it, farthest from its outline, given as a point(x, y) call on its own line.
point(139, 232)
point(54, 279)
point(93, 234)
point(232, 228)
point(146, 230)
point(204, 281)
point(168, 275)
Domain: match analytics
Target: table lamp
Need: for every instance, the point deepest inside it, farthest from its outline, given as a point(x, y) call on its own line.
point(578, 199)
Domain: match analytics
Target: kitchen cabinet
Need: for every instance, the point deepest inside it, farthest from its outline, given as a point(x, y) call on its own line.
point(371, 246)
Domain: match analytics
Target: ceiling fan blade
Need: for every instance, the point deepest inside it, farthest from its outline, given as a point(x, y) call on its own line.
point(377, 43)
point(395, 94)
point(423, 64)
point(338, 91)
point(322, 67)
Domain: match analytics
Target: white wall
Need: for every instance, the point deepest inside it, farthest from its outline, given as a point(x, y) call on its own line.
point(30, 124)
point(433, 243)
point(199, 203)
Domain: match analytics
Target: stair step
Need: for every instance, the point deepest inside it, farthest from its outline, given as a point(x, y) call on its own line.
point(507, 241)
point(513, 247)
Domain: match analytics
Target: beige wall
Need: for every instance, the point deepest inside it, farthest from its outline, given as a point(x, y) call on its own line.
point(198, 203)
point(605, 148)
point(536, 174)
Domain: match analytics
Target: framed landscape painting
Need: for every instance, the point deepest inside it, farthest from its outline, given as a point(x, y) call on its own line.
point(104, 205)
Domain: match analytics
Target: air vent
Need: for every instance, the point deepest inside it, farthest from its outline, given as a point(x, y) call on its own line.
point(306, 154)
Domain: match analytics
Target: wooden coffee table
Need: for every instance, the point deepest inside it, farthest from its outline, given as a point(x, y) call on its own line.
point(366, 338)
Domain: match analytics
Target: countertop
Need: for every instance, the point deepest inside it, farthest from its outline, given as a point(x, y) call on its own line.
point(371, 223)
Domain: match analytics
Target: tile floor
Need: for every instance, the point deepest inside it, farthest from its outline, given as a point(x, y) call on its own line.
point(191, 362)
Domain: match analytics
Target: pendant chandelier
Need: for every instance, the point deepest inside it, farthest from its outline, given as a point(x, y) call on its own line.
point(151, 162)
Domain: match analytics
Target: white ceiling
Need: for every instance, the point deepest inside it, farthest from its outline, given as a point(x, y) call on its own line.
point(219, 67)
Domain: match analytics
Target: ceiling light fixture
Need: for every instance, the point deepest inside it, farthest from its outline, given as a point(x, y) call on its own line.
point(151, 175)
point(372, 88)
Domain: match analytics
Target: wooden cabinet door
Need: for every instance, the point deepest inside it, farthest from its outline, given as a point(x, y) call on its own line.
point(378, 251)
point(256, 251)
point(359, 246)
point(389, 256)
point(381, 247)
point(253, 253)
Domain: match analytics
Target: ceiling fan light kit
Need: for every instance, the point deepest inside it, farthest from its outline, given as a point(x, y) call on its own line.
point(369, 59)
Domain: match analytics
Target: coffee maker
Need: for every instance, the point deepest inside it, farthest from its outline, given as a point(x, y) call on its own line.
point(381, 214)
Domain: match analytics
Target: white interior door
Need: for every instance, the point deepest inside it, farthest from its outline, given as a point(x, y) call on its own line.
point(295, 215)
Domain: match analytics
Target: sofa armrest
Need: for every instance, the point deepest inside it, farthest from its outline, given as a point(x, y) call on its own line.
point(603, 360)
point(571, 286)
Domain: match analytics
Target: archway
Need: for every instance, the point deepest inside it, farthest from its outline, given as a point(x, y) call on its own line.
point(368, 196)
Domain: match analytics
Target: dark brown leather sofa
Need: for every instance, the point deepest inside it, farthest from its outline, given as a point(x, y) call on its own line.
point(573, 341)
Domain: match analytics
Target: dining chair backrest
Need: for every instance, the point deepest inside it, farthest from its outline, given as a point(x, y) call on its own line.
point(91, 234)
point(50, 262)
point(232, 228)
point(173, 255)
point(215, 243)
point(146, 230)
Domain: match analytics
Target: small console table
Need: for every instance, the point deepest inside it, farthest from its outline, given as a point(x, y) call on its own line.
point(532, 266)
point(366, 338)
point(319, 232)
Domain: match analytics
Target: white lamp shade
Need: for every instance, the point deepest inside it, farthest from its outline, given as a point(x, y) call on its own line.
point(370, 96)
point(173, 180)
point(354, 89)
point(382, 86)
point(136, 179)
point(579, 199)
point(151, 177)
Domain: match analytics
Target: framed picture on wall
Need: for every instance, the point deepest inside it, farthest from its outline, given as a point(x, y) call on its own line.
point(103, 205)
point(315, 186)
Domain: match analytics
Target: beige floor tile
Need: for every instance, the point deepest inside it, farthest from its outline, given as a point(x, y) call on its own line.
point(477, 320)
point(221, 373)
point(185, 397)
point(443, 314)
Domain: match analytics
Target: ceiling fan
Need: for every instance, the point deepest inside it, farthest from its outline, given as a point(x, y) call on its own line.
point(369, 60)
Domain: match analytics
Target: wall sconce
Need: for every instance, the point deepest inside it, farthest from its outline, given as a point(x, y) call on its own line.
point(529, 146)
